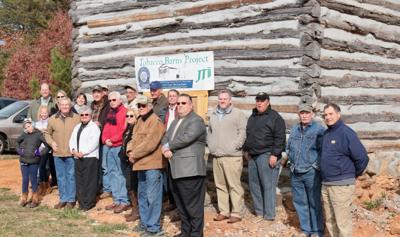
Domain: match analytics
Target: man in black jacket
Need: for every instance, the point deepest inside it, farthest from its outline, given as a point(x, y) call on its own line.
point(265, 141)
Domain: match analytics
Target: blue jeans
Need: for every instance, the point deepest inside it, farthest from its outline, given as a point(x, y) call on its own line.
point(65, 171)
point(104, 172)
point(262, 184)
point(29, 173)
point(306, 191)
point(150, 195)
point(113, 178)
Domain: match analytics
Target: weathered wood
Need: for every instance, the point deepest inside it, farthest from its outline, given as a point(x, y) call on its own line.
point(349, 81)
point(275, 15)
point(372, 117)
point(359, 46)
point(364, 13)
point(357, 25)
point(383, 145)
point(382, 3)
point(197, 9)
point(384, 135)
point(147, 43)
point(359, 66)
point(261, 72)
point(361, 99)
point(250, 106)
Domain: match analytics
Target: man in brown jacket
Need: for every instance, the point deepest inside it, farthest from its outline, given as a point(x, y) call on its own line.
point(144, 151)
point(57, 135)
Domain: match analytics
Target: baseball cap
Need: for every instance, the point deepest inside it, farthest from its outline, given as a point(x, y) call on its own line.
point(27, 120)
point(143, 100)
point(155, 85)
point(132, 87)
point(262, 96)
point(97, 88)
point(305, 107)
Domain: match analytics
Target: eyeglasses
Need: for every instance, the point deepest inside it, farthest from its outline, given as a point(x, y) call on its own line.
point(130, 116)
point(141, 106)
point(85, 115)
point(181, 103)
point(60, 96)
point(113, 100)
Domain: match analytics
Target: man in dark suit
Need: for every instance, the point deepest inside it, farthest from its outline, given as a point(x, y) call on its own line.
point(184, 146)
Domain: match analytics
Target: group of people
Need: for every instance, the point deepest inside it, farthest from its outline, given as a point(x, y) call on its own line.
point(149, 150)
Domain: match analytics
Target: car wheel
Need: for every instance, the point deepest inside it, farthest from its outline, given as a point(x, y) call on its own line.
point(2, 144)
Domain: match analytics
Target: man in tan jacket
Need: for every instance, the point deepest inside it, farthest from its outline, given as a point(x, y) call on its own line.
point(227, 122)
point(57, 135)
point(144, 151)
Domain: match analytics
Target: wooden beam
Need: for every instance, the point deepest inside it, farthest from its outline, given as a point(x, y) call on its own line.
point(187, 11)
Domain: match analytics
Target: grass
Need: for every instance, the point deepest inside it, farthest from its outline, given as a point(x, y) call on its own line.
point(375, 203)
point(44, 221)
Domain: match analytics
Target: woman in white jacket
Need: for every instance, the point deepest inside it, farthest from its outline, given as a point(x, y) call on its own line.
point(84, 145)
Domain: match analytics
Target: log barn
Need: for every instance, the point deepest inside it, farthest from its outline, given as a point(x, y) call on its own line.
point(314, 51)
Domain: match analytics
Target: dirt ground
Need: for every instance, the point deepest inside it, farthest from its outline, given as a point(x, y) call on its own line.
point(381, 220)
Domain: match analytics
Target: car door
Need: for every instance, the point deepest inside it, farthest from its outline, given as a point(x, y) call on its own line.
point(16, 127)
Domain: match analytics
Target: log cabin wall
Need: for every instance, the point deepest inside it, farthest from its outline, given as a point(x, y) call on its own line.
point(344, 51)
point(360, 66)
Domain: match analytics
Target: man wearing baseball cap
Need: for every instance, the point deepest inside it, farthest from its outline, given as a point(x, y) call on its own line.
point(304, 153)
point(160, 102)
point(265, 142)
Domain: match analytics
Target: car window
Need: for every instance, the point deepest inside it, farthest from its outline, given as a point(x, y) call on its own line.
point(12, 109)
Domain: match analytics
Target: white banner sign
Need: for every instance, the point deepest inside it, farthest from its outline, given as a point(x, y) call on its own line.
point(187, 71)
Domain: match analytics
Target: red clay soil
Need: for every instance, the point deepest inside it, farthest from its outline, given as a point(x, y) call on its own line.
point(286, 223)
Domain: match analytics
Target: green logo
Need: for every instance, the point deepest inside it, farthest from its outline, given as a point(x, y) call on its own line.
point(203, 74)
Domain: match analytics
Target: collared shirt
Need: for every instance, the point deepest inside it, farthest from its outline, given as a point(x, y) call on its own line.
point(44, 101)
point(304, 147)
point(171, 115)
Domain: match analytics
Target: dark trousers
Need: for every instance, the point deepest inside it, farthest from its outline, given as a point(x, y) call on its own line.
point(43, 171)
point(131, 176)
point(29, 173)
point(189, 194)
point(86, 181)
point(100, 170)
point(167, 184)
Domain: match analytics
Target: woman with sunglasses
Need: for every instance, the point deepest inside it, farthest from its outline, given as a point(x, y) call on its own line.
point(61, 94)
point(126, 166)
point(84, 145)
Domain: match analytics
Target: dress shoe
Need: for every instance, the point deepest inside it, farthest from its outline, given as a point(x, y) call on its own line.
point(234, 219)
point(121, 208)
point(220, 217)
point(60, 205)
point(70, 205)
point(111, 207)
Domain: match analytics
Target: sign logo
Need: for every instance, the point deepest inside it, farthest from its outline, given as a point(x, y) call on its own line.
point(204, 73)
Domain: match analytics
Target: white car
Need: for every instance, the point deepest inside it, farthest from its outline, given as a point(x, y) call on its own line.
point(11, 118)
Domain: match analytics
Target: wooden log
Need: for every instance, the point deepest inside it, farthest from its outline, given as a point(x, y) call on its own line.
point(359, 46)
point(182, 26)
point(378, 130)
point(147, 43)
point(261, 72)
point(361, 99)
point(358, 66)
point(372, 117)
point(349, 81)
point(362, 26)
point(383, 3)
point(381, 145)
point(250, 106)
point(183, 11)
point(362, 10)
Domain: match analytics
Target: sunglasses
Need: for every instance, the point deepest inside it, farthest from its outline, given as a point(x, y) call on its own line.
point(141, 106)
point(112, 100)
point(181, 103)
point(61, 96)
point(130, 116)
point(85, 115)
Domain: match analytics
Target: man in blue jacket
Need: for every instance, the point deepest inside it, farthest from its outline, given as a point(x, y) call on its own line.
point(343, 159)
point(304, 152)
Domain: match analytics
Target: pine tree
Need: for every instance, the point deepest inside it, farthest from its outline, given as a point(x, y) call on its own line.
point(60, 69)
